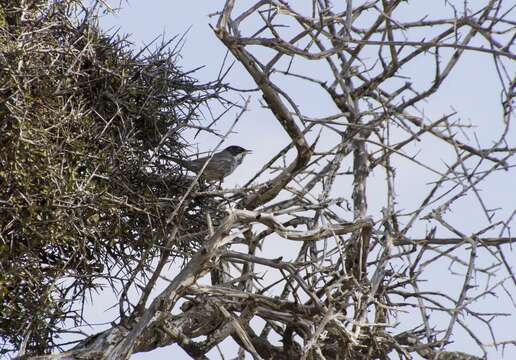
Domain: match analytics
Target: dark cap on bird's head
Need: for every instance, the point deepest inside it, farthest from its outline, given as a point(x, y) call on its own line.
point(236, 150)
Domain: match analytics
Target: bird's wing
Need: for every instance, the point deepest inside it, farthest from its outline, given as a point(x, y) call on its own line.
point(197, 164)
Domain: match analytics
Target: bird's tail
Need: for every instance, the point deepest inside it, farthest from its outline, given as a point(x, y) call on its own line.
point(177, 160)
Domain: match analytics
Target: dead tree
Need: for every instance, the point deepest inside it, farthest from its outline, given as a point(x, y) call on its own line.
point(358, 274)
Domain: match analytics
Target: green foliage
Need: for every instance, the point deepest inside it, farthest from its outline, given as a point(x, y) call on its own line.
point(83, 195)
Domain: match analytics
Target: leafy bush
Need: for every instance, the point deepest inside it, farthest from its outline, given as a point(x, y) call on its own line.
point(84, 198)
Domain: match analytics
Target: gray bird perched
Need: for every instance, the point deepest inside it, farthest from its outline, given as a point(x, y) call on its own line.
point(220, 165)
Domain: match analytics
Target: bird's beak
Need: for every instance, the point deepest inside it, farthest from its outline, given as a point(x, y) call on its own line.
point(248, 152)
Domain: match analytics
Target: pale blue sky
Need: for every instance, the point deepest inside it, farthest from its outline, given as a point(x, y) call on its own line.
point(472, 90)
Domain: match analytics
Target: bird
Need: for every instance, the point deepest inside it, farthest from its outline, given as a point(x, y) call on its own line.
point(221, 164)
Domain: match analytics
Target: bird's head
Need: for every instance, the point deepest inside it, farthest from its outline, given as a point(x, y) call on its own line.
point(237, 150)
